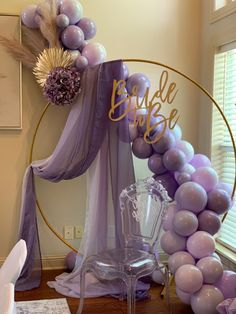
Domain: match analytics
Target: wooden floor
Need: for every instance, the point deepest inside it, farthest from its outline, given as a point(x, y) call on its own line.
point(106, 305)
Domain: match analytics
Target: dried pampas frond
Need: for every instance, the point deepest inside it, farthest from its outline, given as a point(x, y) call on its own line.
point(18, 51)
point(48, 60)
point(34, 40)
point(47, 22)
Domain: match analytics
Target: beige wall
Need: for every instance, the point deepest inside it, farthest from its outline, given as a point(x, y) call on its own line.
point(166, 31)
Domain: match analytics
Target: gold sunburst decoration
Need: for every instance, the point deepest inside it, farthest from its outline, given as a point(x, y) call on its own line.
point(48, 60)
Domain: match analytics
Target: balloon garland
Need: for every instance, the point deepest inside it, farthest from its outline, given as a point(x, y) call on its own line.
point(193, 218)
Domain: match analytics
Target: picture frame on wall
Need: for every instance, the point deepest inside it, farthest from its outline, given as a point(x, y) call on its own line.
point(10, 77)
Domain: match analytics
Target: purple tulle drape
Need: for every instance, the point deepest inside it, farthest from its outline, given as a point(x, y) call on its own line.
point(88, 135)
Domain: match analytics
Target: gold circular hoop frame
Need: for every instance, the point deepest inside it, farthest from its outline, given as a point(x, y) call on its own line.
point(133, 61)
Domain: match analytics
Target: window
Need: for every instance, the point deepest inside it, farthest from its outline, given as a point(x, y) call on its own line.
point(222, 8)
point(222, 149)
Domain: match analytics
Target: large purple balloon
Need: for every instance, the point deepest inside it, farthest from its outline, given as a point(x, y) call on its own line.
point(200, 244)
point(200, 160)
point(206, 177)
point(168, 181)
point(155, 164)
point(169, 216)
point(172, 242)
point(188, 278)
point(174, 159)
point(72, 37)
point(191, 196)
point(219, 201)
point(88, 27)
point(179, 259)
point(141, 149)
point(73, 9)
point(184, 297)
point(167, 141)
point(209, 221)
point(186, 148)
point(211, 268)
point(227, 284)
point(185, 223)
point(95, 53)
point(139, 80)
point(28, 16)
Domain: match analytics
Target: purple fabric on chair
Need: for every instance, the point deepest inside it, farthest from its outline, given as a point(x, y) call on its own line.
point(228, 306)
point(87, 129)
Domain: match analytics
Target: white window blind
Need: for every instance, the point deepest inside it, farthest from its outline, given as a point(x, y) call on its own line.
point(222, 149)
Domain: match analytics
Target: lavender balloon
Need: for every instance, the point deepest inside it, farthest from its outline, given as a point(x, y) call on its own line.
point(206, 177)
point(185, 223)
point(70, 260)
point(183, 177)
point(184, 297)
point(169, 216)
point(62, 21)
point(179, 259)
point(206, 300)
point(209, 221)
point(167, 141)
point(88, 27)
point(125, 71)
point(200, 160)
point(186, 148)
point(139, 80)
point(174, 159)
point(72, 37)
point(200, 244)
point(84, 44)
point(74, 54)
point(177, 132)
point(188, 278)
point(168, 181)
point(141, 149)
point(227, 284)
point(81, 63)
point(219, 201)
point(172, 242)
point(28, 16)
point(191, 196)
point(155, 164)
point(211, 268)
point(95, 53)
point(133, 131)
point(73, 9)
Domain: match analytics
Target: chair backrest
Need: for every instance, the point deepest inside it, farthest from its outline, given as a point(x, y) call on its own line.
point(143, 207)
point(7, 304)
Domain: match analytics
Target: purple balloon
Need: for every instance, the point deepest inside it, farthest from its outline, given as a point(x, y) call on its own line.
point(155, 164)
point(177, 132)
point(141, 149)
point(88, 27)
point(95, 53)
point(168, 181)
point(225, 186)
point(219, 201)
point(186, 148)
point(62, 21)
point(174, 159)
point(169, 216)
point(166, 142)
point(200, 160)
point(172, 242)
point(227, 284)
point(206, 177)
point(72, 37)
point(125, 71)
point(81, 63)
point(73, 9)
point(28, 16)
point(211, 268)
point(185, 223)
point(74, 54)
point(84, 44)
point(188, 278)
point(70, 260)
point(206, 300)
point(139, 80)
point(209, 221)
point(133, 131)
point(179, 259)
point(191, 196)
point(183, 177)
point(201, 244)
point(184, 297)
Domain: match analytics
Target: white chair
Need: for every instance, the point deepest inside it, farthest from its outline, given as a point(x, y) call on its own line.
point(7, 304)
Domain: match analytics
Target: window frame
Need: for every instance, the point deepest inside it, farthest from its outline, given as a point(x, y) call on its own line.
point(225, 11)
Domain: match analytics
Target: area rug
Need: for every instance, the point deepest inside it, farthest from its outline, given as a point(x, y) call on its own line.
point(50, 306)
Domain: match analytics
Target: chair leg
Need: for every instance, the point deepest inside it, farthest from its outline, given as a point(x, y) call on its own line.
point(131, 289)
point(167, 288)
point(82, 289)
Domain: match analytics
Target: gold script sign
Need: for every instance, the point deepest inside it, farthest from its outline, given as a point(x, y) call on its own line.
point(165, 93)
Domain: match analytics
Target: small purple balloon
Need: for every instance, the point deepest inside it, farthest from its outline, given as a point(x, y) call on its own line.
point(84, 44)
point(125, 71)
point(185, 223)
point(174, 159)
point(72, 37)
point(206, 300)
point(155, 164)
point(139, 80)
point(206, 177)
point(191, 196)
point(88, 27)
point(225, 186)
point(188, 278)
point(200, 160)
point(209, 221)
point(133, 132)
point(201, 244)
point(211, 268)
point(179, 259)
point(168, 181)
point(227, 284)
point(70, 260)
point(177, 132)
point(172, 242)
point(141, 149)
point(95, 53)
point(28, 16)
point(81, 63)
point(73, 9)
point(183, 177)
point(186, 148)
point(184, 297)
point(169, 216)
point(62, 21)
point(218, 201)
point(166, 142)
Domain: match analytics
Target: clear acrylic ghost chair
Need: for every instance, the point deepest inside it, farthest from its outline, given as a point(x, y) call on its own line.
point(7, 304)
point(143, 207)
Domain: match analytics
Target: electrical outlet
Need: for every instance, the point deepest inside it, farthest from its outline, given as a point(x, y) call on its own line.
point(68, 232)
point(79, 231)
